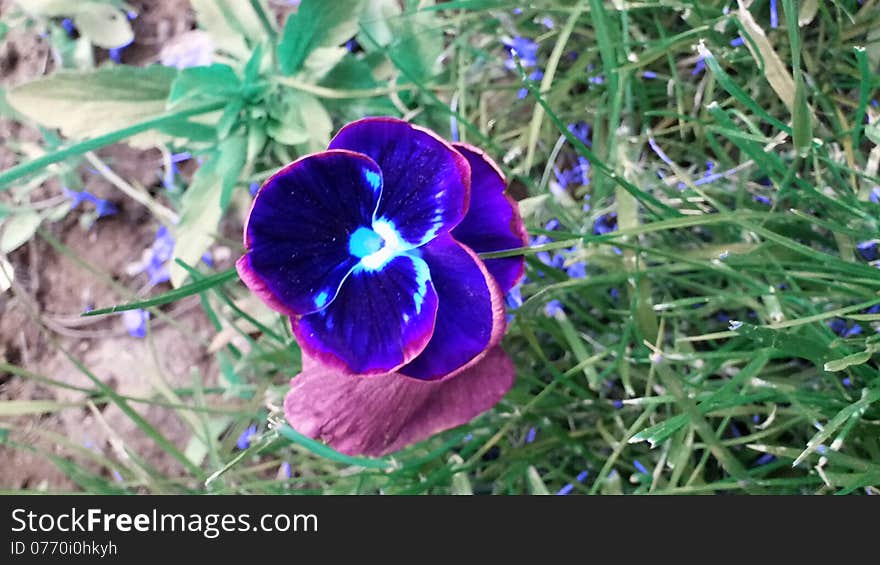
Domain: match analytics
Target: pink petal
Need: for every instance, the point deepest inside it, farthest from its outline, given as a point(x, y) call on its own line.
point(381, 414)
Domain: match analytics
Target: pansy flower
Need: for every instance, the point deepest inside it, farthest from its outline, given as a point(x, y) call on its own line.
point(371, 248)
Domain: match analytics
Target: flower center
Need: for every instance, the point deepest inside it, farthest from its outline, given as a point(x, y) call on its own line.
point(364, 241)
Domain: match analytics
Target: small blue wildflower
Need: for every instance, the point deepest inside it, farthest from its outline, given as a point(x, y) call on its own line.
point(244, 440)
point(774, 15)
point(117, 476)
point(135, 322)
point(699, 67)
point(875, 195)
point(530, 436)
point(208, 259)
point(553, 308)
point(847, 382)
point(649, 75)
point(838, 326)
point(868, 250)
point(617, 403)
point(875, 103)
point(547, 22)
point(582, 131)
point(734, 325)
point(737, 42)
point(68, 26)
point(756, 418)
point(598, 79)
point(734, 430)
point(855, 330)
point(468, 438)
point(606, 223)
point(822, 450)
point(284, 470)
point(763, 200)
point(764, 459)
point(533, 76)
point(104, 208)
point(639, 467)
point(614, 293)
point(565, 490)
point(582, 476)
point(517, 11)
point(522, 48)
point(577, 270)
point(514, 298)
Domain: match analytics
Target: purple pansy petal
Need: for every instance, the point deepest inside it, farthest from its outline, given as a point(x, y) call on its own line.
point(381, 319)
point(299, 227)
point(492, 222)
point(426, 186)
point(470, 318)
point(379, 415)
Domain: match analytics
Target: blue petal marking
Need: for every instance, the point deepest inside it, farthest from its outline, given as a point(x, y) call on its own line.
point(373, 179)
point(321, 299)
point(364, 241)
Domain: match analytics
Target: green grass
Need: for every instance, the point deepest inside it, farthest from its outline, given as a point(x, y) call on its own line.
point(643, 378)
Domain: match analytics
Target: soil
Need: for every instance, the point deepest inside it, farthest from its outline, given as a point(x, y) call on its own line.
point(54, 289)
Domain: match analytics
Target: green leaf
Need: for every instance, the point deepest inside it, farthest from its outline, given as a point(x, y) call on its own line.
point(200, 214)
point(317, 24)
point(298, 117)
point(859, 358)
point(214, 81)
point(254, 64)
point(93, 103)
point(418, 45)
point(233, 152)
point(377, 29)
point(104, 25)
point(229, 118)
point(193, 288)
point(18, 229)
point(212, 17)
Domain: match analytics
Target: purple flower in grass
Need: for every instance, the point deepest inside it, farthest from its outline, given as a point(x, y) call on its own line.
point(868, 250)
point(522, 48)
point(135, 322)
point(68, 26)
point(371, 248)
point(244, 440)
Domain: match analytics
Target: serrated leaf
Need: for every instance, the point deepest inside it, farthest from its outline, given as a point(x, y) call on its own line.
point(18, 229)
point(211, 17)
point(92, 103)
point(298, 117)
point(254, 64)
point(212, 81)
point(200, 215)
point(859, 358)
point(317, 24)
point(229, 117)
point(104, 25)
point(418, 45)
point(233, 152)
point(376, 23)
